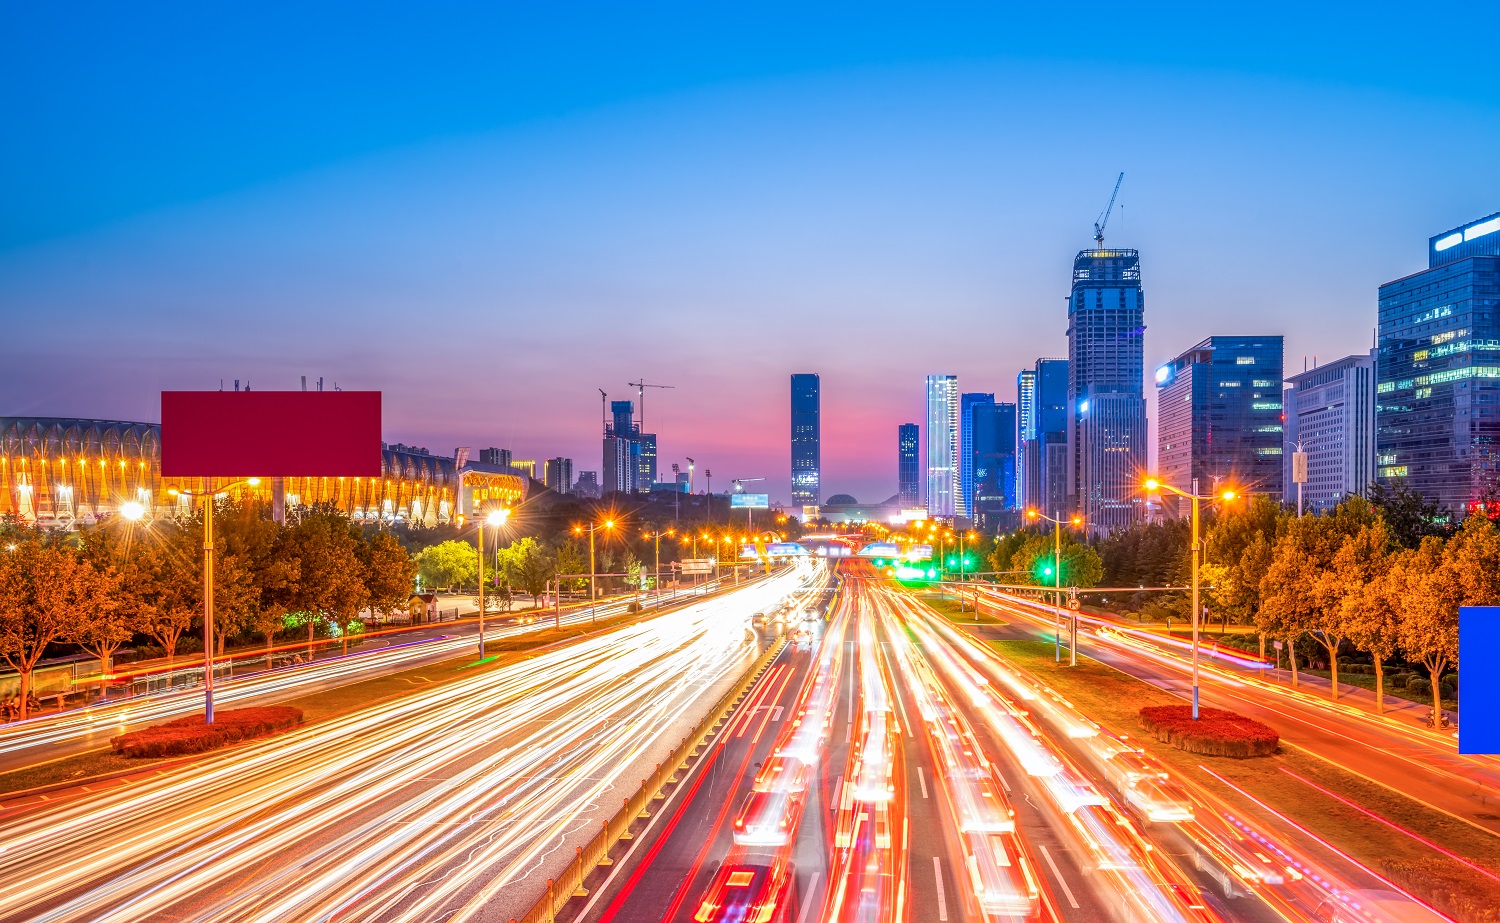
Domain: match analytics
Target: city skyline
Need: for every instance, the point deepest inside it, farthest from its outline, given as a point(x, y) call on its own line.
point(495, 215)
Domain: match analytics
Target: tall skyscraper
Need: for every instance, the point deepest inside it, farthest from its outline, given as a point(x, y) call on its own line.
point(1046, 452)
point(1219, 417)
point(966, 405)
point(557, 473)
point(1106, 405)
point(629, 454)
point(494, 456)
point(1025, 425)
point(993, 446)
point(1330, 411)
point(1437, 416)
point(908, 465)
point(944, 492)
point(806, 440)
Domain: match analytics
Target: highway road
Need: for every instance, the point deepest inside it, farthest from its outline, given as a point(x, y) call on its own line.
point(1416, 762)
point(50, 737)
point(450, 804)
point(891, 768)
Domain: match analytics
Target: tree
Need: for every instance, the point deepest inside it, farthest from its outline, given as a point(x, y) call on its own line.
point(43, 583)
point(176, 586)
point(330, 575)
point(1436, 580)
point(572, 559)
point(101, 632)
point(1081, 565)
point(1372, 614)
point(1236, 553)
point(388, 573)
point(449, 564)
point(1301, 591)
point(525, 563)
point(1410, 516)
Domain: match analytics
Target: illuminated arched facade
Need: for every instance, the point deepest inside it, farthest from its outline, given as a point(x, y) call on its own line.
point(63, 473)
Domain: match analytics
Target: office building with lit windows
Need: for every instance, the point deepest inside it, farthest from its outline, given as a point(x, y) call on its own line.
point(966, 406)
point(1107, 450)
point(1025, 424)
point(992, 446)
point(1330, 413)
point(1044, 446)
point(806, 435)
point(1437, 414)
point(908, 465)
point(1219, 409)
point(557, 473)
point(944, 491)
point(629, 454)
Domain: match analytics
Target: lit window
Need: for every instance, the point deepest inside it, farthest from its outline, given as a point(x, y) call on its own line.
point(1244, 360)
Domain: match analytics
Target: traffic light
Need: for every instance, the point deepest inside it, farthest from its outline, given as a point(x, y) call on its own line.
point(1043, 571)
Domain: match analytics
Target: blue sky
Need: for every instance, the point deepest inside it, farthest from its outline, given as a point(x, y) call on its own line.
point(489, 212)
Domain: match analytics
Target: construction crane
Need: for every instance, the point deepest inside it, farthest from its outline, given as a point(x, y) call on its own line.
point(1103, 218)
point(640, 392)
point(604, 410)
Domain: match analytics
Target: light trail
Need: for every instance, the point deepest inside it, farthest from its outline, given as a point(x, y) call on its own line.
point(27, 741)
point(424, 808)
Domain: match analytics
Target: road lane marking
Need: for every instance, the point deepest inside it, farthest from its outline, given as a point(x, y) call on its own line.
point(921, 777)
point(1003, 784)
point(807, 904)
point(1067, 892)
point(937, 872)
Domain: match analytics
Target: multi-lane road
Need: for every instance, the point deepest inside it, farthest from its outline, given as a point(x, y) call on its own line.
point(886, 766)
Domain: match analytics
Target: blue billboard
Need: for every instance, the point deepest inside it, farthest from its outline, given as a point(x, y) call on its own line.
point(750, 501)
point(1479, 660)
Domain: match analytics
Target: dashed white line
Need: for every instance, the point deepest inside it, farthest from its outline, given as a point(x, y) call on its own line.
point(812, 887)
point(922, 778)
point(1067, 892)
point(937, 871)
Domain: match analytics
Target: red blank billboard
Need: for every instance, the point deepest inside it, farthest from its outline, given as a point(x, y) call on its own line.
point(270, 434)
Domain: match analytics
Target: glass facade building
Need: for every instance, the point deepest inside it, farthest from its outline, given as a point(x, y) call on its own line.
point(1025, 424)
point(629, 454)
point(806, 435)
point(1330, 412)
point(1045, 449)
point(1106, 435)
point(966, 405)
point(908, 465)
point(1219, 417)
point(944, 492)
point(993, 448)
point(1437, 413)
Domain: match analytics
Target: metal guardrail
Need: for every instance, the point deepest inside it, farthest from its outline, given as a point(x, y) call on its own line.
point(570, 882)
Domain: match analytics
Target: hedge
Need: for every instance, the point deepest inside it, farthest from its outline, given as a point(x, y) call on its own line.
point(1215, 733)
point(193, 735)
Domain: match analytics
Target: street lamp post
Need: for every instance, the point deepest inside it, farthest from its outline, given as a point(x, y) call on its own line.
point(208, 588)
point(593, 584)
point(494, 518)
point(657, 537)
point(1155, 484)
point(1057, 590)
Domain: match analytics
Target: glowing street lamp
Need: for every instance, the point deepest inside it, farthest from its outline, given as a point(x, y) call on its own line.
point(132, 510)
point(1155, 484)
point(1057, 524)
point(495, 518)
point(208, 583)
point(593, 588)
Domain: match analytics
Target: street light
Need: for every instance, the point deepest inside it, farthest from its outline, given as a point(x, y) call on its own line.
point(1154, 484)
point(132, 510)
point(1057, 525)
point(208, 585)
point(593, 587)
point(493, 518)
point(657, 536)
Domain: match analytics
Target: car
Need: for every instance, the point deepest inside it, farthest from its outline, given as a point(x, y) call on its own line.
point(750, 891)
point(769, 818)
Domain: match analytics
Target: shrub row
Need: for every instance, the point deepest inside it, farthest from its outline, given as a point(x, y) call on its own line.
point(193, 735)
point(1215, 733)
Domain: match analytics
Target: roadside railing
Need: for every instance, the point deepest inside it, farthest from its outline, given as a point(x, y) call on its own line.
point(571, 882)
